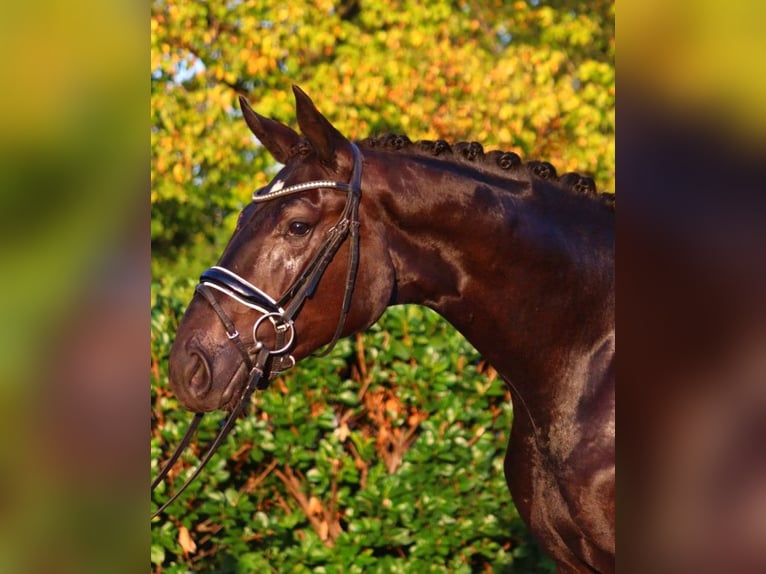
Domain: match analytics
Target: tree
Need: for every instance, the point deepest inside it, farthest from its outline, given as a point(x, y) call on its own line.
point(532, 77)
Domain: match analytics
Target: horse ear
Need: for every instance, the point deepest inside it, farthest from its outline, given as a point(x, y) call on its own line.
point(325, 139)
point(275, 136)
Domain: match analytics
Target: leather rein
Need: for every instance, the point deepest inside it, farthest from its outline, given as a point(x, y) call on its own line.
point(261, 362)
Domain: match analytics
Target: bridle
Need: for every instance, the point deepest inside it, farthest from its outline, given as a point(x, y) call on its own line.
point(261, 362)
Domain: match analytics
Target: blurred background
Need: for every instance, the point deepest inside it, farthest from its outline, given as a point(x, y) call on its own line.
point(691, 316)
point(75, 252)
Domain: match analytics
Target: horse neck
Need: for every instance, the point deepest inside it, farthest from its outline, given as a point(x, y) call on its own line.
point(523, 270)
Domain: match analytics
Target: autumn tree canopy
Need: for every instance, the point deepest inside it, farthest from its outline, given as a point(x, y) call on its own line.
point(533, 77)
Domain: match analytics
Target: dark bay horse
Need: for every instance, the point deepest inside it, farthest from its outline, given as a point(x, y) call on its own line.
point(519, 260)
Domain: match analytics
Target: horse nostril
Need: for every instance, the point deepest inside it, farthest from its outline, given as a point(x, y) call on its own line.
point(200, 379)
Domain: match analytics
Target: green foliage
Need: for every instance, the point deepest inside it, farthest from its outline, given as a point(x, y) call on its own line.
point(386, 456)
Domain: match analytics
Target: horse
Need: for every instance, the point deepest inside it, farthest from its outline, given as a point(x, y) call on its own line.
point(516, 258)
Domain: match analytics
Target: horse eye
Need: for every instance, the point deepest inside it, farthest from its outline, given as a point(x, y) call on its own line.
point(299, 228)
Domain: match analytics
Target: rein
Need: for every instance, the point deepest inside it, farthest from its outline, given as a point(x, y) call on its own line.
point(280, 314)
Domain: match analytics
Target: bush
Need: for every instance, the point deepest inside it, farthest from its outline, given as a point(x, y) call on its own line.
point(386, 456)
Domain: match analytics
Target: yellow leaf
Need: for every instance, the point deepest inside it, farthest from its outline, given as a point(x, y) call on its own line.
point(324, 530)
point(185, 540)
point(178, 173)
point(315, 507)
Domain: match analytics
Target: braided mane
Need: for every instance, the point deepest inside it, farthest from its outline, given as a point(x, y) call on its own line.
point(496, 161)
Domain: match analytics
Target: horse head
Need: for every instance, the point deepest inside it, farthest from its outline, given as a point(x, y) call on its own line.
point(283, 286)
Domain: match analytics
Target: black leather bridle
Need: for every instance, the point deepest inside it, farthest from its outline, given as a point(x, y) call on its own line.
point(261, 362)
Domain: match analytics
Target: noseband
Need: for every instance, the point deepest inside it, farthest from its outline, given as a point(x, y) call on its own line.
point(261, 362)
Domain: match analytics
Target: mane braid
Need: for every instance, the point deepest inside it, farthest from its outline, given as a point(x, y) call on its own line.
point(495, 161)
